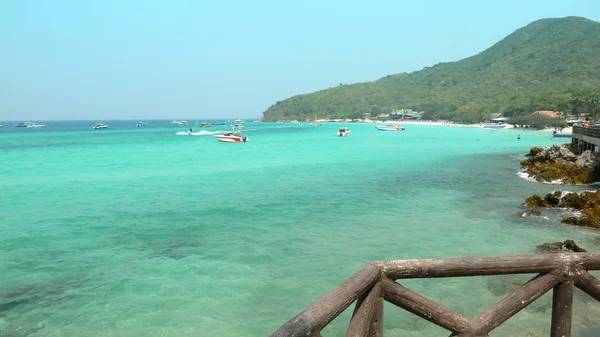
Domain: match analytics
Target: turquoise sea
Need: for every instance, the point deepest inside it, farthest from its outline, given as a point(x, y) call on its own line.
point(145, 232)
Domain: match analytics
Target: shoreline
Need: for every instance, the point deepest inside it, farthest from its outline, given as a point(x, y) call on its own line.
point(567, 129)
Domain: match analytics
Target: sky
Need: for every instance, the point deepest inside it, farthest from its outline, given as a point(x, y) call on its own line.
point(148, 59)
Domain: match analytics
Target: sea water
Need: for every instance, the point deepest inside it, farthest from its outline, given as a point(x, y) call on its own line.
point(154, 232)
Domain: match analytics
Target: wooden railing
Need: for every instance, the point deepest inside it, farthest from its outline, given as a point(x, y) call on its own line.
point(376, 282)
point(591, 131)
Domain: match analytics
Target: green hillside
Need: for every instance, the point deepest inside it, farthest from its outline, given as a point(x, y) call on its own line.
point(528, 69)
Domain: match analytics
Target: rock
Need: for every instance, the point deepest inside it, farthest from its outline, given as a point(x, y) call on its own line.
point(558, 163)
point(559, 247)
point(587, 202)
point(553, 199)
point(571, 245)
point(536, 201)
point(549, 247)
point(530, 212)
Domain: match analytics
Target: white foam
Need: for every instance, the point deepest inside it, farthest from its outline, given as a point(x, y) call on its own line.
point(527, 177)
point(197, 133)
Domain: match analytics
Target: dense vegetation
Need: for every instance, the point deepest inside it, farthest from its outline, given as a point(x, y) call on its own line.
point(550, 64)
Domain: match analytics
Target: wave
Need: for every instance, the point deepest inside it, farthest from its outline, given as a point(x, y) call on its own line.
point(197, 133)
point(527, 177)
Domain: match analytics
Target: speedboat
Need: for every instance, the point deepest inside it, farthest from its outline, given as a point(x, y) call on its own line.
point(22, 125)
point(140, 124)
point(183, 123)
point(238, 126)
point(344, 132)
point(390, 127)
point(206, 125)
point(100, 126)
point(231, 137)
point(35, 126)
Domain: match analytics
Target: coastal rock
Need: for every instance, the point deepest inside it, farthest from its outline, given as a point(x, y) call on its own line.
point(559, 247)
point(530, 212)
point(558, 163)
point(587, 202)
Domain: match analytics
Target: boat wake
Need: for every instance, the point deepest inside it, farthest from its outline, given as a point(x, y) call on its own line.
point(197, 133)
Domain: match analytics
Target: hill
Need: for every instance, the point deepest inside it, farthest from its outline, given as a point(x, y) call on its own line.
point(545, 58)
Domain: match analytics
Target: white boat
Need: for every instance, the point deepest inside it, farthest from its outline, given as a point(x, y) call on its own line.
point(100, 126)
point(344, 132)
point(140, 124)
point(22, 125)
point(231, 137)
point(184, 123)
point(35, 126)
point(238, 126)
point(389, 127)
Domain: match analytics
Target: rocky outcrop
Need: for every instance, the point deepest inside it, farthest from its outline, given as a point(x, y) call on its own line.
point(587, 202)
point(560, 247)
point(558, 163)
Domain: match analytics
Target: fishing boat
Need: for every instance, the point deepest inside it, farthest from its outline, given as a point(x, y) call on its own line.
point(231, 137)
point(390, 127)
point(35, 126)
point(140, 124)
point(344, 132)
point(100, 126)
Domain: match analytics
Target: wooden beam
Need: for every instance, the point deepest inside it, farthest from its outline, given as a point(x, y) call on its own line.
point(376, 329)
point(562, 309)
point(423, 307)
point(322, 312)
point(363, 315)
point(515, 302)
point(588, 283)
point(490, 265)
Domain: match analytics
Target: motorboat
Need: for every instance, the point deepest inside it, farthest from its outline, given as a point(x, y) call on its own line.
point(100, 126)
point(231, 137)
point(344, 132)
point(220, 123)
point(22, 125)
point(35, 126)
point(390, 127)
point(176, 122)
point(238, 126)
point(140, 124)
point(206, 125)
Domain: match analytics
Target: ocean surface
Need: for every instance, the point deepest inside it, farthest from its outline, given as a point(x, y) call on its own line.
point(152, 232)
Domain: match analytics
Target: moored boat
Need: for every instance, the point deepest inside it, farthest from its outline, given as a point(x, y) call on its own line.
point(344, 132)
point(140, 124)
point(100, 126)
point(389, 127)
point(494, 126)
point(22, 125)
point(231, 137)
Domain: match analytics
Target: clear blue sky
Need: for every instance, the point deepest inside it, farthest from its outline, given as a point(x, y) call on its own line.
point(118, 59)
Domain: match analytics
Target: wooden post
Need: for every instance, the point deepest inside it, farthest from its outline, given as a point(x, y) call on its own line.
point(364, 313)
point(376, 329)
point(562, 309)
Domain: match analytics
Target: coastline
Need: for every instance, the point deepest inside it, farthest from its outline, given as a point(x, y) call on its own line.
point(439, 123)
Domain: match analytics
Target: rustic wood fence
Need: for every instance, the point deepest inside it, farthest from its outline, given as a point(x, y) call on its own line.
point(376, 282)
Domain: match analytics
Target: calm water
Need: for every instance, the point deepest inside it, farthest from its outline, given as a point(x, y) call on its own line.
point(143, 232)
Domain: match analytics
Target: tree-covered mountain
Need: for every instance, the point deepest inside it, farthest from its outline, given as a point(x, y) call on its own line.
point(537, 66)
